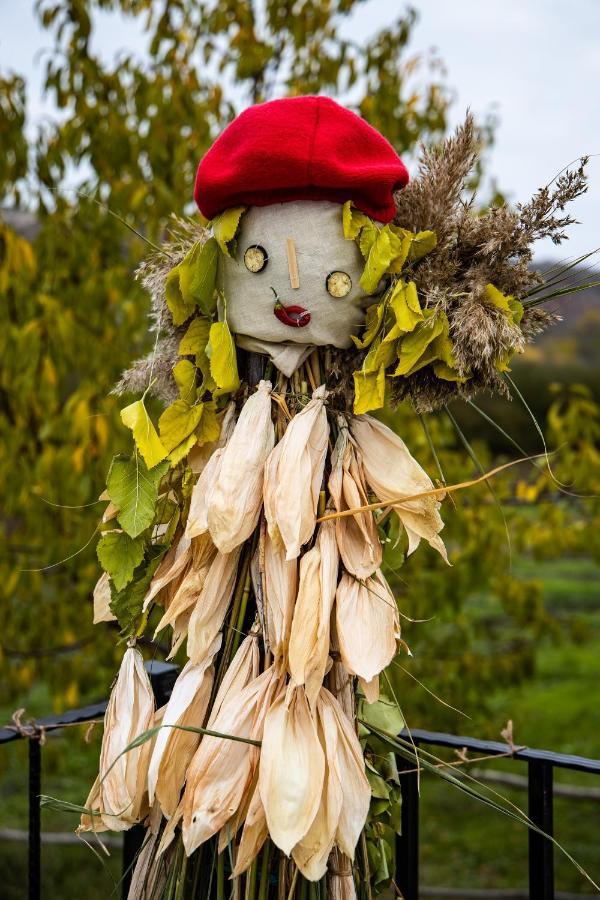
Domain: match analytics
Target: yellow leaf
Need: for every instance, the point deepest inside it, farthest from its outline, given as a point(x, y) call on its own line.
point(369, 391)
point(374, 319)
point(422, 243)
point(405, 305)
point(184, 373)
point(401, 241)
point(412, 354)
point(180, 308)
point(512, 308)
point(225, 226)
point(223, 358)
point(380, 354)
point(183, 449)
point(378, 260)
point(353, 221)
point(210, 426)
point(447, 373)
point(195, 339)
point(147, 441)
point(177, 423)
point(197, 276)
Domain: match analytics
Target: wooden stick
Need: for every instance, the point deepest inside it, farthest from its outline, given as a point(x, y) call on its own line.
point(292, 263)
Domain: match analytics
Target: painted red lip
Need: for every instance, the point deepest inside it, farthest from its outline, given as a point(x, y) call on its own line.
point(294, 316)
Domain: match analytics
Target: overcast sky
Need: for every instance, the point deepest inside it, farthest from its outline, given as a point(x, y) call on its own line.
point(535, 63)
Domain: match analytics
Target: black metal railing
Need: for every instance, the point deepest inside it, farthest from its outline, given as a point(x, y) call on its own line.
point(540, 763)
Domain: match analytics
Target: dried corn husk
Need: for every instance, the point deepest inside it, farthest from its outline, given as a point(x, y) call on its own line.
point(281, 581)
point(254, 834)
point(102, 611)
point(174, 748)
point(197, 521)
point(309, 638)
point(234, 500)
point(203, 555)
point(367, 624)
point(293, 476)
point(392, 472)
point(292, 769)
point(312, 852)
point(172, 567)
point(222, 770)
point(351, 772)
point(212, 604)
point(242, 670)
point(130, 711)
point(357, 536)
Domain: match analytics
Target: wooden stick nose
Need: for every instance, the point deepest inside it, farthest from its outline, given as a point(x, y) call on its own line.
point(292, 263)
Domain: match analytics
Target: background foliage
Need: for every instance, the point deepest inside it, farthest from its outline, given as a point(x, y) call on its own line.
point(129, 135)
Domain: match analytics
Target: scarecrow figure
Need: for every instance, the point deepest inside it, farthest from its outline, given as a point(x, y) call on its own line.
point(248, 526)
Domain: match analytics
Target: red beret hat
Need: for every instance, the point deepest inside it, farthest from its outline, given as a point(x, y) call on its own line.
point(300, 148)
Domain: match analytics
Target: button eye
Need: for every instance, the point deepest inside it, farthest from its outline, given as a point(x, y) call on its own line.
point(256, 258)
point(339, 284)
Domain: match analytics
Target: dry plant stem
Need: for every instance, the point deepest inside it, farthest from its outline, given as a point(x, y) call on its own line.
point(263, 890)
point(436, 492)
point(251, 881)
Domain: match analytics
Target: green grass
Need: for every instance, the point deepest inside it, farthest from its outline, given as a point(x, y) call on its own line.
point(464, 844)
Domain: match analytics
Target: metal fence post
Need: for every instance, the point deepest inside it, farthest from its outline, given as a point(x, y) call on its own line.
point(541, 850)
point(35, 825)
point(407, 843)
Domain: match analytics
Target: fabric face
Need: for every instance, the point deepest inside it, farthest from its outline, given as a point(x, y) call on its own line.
point(316, 229)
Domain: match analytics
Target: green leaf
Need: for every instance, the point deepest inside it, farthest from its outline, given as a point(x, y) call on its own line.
point(119, 554)
point(378, 260)
point(353, 221)
point(133, 488)
point(197, 276)
point(369, 391)
point(374, 318)
point(383, 714)
point(126, 604)
point(379, 788)
point(177, 423)
point(184, 373)
point(147, 441)
point(223, 358)
point(195, 339)
point(225, 227)
point(422, 243)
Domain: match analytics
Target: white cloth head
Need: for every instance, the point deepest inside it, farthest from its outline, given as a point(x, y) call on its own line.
point(316, 229)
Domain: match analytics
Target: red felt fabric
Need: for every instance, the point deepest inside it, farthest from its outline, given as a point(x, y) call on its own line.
point(300, 148)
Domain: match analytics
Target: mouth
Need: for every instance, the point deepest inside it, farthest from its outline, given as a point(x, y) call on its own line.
point(294, 316)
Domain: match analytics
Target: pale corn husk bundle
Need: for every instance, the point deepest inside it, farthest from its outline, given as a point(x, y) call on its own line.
point(293, 476)
point(101, 595)
point(174, 748)
point(312, 780)
point(172, 567)
point(357, 536)
point(367, 627)
point(309, 638)
point(221, 772)
point(211, 604)
point(391, 473)
point(234, 500)
point(197, 521)
point(281, 583)
point(120, 792)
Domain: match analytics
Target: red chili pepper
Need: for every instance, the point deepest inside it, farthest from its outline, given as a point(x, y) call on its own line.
point(295, 316)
